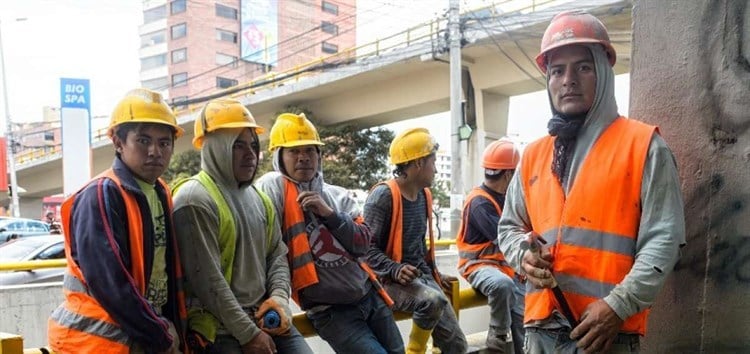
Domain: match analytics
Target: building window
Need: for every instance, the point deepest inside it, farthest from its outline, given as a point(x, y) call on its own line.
point(226, 12)
point(226, 36)
point(177, 6)
point(329, 48)
point(153, 38)
point(49, 136)
point(330, 8)
point(157, 84)
point(178, 102)
point(226, 60)
point(329, 27)
point(155, 14)
point(222, 82)
point(153, 61)
point(179, 31)
point(179, 79)
point(179, 55)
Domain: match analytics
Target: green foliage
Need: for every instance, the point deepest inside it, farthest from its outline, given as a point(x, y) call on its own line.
point(440, 193)
point(353, 158)
point(183, 165)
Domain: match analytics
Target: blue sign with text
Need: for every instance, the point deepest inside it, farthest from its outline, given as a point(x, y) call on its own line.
point(75, 93)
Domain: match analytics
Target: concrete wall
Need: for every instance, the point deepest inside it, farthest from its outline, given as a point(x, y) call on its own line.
point(25, 310)
point(691, 76)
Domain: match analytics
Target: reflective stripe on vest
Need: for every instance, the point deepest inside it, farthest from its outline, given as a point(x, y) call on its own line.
point(300, 256)
point(394, 248)
point(471, 256)
point(87, 317)
point(86, 324)
point(592, 231)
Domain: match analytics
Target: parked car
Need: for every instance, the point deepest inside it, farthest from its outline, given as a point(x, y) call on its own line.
point(11, 228)
point(30, 249)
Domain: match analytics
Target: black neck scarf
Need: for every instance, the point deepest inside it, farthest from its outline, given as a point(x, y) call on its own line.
point(566, 129)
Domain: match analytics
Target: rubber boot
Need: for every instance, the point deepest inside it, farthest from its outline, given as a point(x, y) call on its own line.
point(418, 340)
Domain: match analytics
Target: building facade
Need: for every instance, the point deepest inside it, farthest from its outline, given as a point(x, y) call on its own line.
point(190, 49)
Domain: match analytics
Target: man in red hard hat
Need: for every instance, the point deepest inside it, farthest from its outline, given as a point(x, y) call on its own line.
point(480, 261)
point(601, 196)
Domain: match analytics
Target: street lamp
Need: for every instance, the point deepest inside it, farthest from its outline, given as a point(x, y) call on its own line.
point(14, 206)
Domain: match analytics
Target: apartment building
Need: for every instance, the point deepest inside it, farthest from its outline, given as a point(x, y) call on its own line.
point(192, 48)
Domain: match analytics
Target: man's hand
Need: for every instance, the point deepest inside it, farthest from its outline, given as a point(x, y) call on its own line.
point(537, 266)
point(312, 201)
point(262, 344)
point(407, 274)
point(445, 282)
point(284, 325)
point(598, 328)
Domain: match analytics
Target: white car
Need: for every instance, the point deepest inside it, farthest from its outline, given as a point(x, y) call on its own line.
point(29, 249)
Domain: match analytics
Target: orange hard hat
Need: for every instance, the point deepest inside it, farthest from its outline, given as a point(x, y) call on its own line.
point(501, 155)
point(574, 27)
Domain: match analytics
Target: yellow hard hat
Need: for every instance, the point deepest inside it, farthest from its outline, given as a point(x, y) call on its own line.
point(292, 130)
point(143, 106)
point(223, 113)
point(412, 144)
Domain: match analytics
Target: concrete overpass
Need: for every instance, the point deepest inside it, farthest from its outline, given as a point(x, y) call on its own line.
point(397, 78)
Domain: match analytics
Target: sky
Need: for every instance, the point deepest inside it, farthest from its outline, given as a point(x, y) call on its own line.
point(98, 40)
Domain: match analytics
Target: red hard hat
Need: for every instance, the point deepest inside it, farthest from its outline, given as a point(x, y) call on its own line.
point(574, 27)
point(501, 155)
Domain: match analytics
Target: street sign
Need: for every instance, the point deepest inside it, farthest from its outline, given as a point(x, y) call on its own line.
point(75, 93)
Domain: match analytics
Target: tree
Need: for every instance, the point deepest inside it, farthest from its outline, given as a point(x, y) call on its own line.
point(439, 191)
point(183, 165)
point(353, 158)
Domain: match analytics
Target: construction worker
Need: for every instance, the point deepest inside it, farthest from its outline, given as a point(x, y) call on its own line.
point(234, 260)
point(326, 236)
point(480, 261)
point(123, 281)
point(603, 192)
point(399, 213)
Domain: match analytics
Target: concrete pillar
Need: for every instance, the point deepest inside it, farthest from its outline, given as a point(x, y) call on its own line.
point(492, 124)
point(691, 76)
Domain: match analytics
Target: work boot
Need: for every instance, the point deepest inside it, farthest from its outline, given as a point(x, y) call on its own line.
point(497, 342)
point(418, 339)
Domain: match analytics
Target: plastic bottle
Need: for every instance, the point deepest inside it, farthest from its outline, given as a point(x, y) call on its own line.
point(271, 319)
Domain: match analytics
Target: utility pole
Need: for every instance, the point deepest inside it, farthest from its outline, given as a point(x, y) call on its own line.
point(457, 188)
point(14, 206)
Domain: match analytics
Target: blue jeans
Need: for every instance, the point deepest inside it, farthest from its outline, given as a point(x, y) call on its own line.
point(505, 296)
point(367, 326)
point(292, 344)
point(543, 341)
point(430, 308)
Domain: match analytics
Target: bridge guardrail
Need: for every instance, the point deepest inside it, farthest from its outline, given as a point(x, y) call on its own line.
point(420, 32)
point(461, 299)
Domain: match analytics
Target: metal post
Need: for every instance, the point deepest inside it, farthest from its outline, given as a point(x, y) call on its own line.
point(14, 206)
point(456, 111)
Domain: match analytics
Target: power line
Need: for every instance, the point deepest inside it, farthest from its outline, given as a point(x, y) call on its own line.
point(232, 64)
point(489, 34)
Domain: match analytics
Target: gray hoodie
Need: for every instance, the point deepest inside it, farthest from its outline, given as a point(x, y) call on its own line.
point(260, 267)
point(337, 242)
point(662, 223)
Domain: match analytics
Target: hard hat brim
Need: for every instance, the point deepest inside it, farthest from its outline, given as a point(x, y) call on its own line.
point(297, 143)
point(178, 130)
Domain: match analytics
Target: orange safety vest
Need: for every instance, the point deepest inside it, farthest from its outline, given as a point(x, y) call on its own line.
point(472, 256)
point(394, 249)
point(300, 256)
point(592, 231)
point(83, 326)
